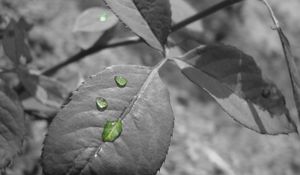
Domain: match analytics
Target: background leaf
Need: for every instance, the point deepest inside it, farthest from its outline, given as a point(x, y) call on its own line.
point(151, 20)
point(14, 44)
point(91, 20)
point(12, 128)
point(95, 25)
point(44, 89)
point(74, 144)
point(289, 58)
point(234, 80)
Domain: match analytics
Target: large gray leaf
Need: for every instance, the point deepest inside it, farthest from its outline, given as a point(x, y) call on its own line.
point(74, 142)
point(235, 81)
point(151, 20)
point(12, 128)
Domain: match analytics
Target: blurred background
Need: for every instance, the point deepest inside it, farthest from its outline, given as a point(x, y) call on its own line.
point(206, 141)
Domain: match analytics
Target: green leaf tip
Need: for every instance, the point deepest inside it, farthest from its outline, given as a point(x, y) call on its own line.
point(101, 103)
point(112, 130)
point(121, 81)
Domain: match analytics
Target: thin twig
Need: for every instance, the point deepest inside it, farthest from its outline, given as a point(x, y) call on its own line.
point(272, 14)
point(204, 13)
point(82, 54)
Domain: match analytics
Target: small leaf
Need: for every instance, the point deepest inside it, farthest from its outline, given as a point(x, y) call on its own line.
point(32, 105)
point(91, 29)
point(74, 144)
point(47, 91)
point(14, 43)
point(112, 130)
point(12, 127)
point(151, 20)
point(121, 81)
point(234, 80)
point(101, 103)
point(92, 20)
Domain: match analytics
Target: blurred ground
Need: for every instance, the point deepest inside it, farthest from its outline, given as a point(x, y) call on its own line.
point(205, 141)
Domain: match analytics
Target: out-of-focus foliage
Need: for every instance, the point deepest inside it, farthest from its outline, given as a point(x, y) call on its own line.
point(12, 128)
point(95, 26)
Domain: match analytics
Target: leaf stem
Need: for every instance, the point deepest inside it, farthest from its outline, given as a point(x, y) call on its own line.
point(145, 85)
point(82, 54)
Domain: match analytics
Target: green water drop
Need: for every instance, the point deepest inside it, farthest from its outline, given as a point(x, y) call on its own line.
point(101, 103)
point(121, 81)
point(103, 17)
point(112, 130)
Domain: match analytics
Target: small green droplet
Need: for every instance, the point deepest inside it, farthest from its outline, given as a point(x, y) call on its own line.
point(112, 130)
point(103, 17)
point(101, 103)
point(121, 81)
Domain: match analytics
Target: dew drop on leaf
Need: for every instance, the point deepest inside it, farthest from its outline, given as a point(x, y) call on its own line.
point(101, 103)
point(112, 130)
point(103, 17)
point(121, 81)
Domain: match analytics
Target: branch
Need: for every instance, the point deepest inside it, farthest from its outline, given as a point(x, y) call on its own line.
point(94, 49)
point(80, 55)
point(204, 13)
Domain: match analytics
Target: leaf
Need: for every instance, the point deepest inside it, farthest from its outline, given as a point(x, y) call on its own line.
point(12, 127)
point(91, 20)
point(44, 89)
point(74, 142)
point(85, 40)
point(151, 20)
point(95, 25)
point(14, 44)
point(33, 106)
point(289, 58)
point(234, 80)
point(292, 68)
